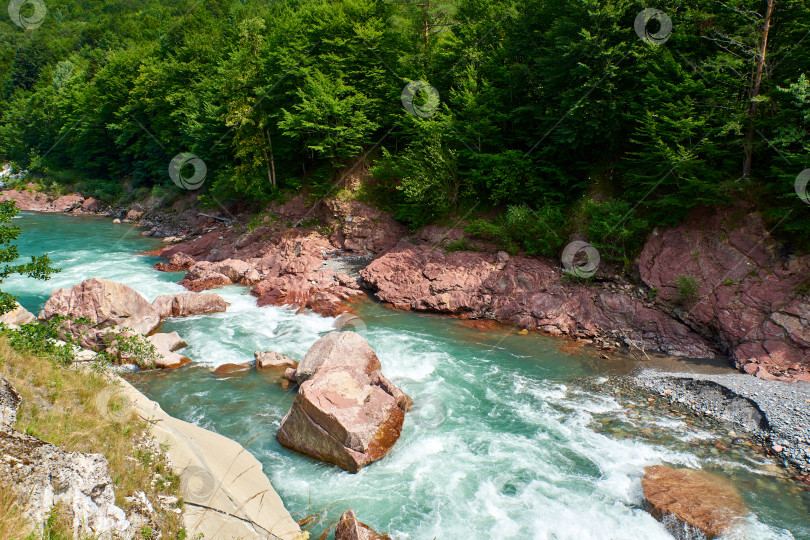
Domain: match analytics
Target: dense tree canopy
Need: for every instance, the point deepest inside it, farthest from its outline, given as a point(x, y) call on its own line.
point(552, 114)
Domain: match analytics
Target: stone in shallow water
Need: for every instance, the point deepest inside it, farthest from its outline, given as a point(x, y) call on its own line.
point(272, 359)
point(349, 528)
point(687, 501)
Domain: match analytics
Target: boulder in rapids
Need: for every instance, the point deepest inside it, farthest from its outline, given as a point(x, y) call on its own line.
point(106, 305)
point(346, 411)
point(350, 528)
point(190, 303)
point(688, 501)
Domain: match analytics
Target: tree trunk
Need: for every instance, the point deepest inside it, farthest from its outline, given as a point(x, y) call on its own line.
point(427, 25)
point(756, 83)
point(272, 158)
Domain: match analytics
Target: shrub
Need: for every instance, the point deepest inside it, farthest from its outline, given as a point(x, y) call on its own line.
point(521, 228)
point(687, 289)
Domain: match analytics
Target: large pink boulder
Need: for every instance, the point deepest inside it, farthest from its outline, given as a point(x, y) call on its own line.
point(702, 504)
point(105, 304)
point(190, 303)
point(345, 351)
point(346, 412)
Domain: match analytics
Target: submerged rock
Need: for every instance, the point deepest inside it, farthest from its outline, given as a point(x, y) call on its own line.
point(106, 305)
point(350, 528)
point(272, 359)
point(346, 411)
point(687, 501)
point(227, 370)
point(185, 304)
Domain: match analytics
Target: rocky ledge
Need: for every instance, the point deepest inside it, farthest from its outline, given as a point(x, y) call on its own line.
point(777, 413)
point(526, 292)
point(101, 315)
point(747, 296)
point(750, 298)
point(346, 411)
point(43, 475)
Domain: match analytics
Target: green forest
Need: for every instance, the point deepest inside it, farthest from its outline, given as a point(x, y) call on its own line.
point(525, 119)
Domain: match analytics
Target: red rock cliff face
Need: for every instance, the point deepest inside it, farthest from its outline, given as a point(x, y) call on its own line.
point(750, 297)
point(748, 303)
point(526, 292)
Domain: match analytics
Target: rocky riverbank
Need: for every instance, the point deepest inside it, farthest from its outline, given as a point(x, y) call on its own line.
point(776, 413)
point(105, 490)
point(747, 295)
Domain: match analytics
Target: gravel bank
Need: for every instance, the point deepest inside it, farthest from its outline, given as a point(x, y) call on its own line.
point(776, 411)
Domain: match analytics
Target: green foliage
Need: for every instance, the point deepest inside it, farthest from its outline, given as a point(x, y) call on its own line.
point(543, 104)
point(127, 346)
point(613, 229)
point(535, 232)
point(462, 244)
point(687, 288)
point(40, 338)
point(38, 268)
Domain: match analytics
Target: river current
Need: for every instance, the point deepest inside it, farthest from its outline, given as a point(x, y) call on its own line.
point(504, 442)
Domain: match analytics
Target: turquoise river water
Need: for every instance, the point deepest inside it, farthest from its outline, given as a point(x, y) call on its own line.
point(504, 442)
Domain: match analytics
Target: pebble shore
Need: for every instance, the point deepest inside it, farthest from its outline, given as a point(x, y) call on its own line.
point(777, 412)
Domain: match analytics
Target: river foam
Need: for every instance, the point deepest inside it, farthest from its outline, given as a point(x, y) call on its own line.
point(501, 442)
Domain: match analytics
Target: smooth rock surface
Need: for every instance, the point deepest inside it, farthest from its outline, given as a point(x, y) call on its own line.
point(346, 412)
point(186, 304)
point(226, 493)
point(17, 316)
point(106, 305)
point(703, 501)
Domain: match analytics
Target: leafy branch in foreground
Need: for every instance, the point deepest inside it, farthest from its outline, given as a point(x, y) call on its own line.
point(39, 267)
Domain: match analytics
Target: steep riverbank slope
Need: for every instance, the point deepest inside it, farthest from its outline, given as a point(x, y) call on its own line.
point(716, 284)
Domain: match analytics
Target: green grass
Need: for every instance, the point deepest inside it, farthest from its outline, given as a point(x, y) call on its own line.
point(60, 406)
